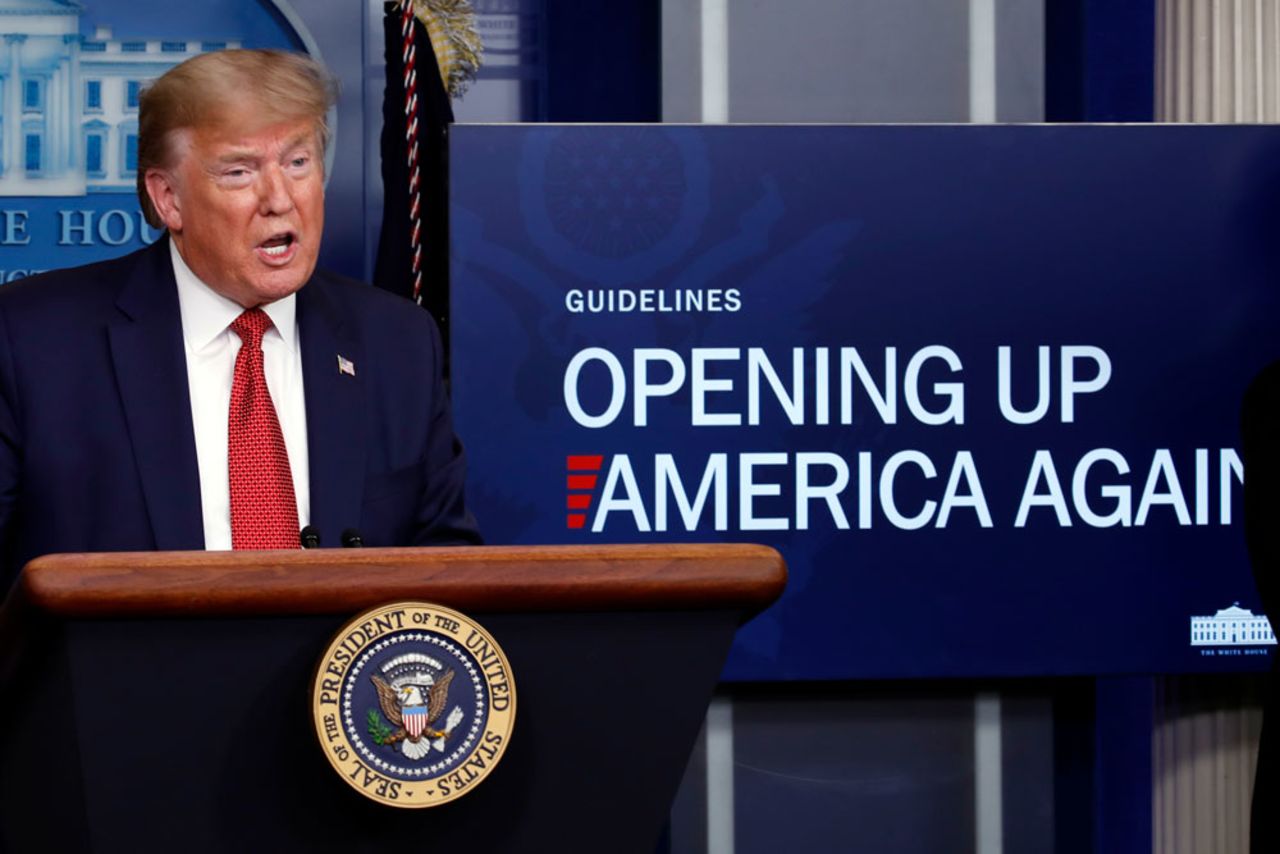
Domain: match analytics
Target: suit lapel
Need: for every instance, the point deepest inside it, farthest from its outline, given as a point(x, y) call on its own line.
point(335, 412)
point(151, 373)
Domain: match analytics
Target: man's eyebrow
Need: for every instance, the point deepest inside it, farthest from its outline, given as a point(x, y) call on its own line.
point(248, 155)
point(243, 155)
point(305, 139)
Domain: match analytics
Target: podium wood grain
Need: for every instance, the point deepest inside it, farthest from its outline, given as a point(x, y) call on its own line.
point(336, 581)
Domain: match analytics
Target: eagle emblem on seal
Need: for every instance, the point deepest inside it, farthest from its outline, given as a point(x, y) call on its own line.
point(413, 691)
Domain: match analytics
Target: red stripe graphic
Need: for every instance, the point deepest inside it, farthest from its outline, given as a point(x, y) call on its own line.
point(579, 486)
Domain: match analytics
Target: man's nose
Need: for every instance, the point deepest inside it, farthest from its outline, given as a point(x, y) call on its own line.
point(274, 196)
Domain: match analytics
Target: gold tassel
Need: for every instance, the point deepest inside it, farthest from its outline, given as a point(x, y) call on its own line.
point(455, 40)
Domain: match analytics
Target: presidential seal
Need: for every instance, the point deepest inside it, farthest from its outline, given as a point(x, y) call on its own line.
point(413, 704)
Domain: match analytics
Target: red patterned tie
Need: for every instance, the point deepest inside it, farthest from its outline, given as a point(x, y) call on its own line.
point(264, 514)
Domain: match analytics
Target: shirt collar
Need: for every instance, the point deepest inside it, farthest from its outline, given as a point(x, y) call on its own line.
point(206, 314)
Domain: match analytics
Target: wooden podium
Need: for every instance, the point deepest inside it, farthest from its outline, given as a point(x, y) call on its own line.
point(159, 701)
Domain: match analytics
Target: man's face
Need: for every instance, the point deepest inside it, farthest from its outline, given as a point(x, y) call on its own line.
point(245, 207)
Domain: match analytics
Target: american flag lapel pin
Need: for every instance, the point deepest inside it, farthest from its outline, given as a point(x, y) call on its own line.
point(346, 366)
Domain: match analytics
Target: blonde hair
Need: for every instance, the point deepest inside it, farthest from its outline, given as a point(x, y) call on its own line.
point(211, 88)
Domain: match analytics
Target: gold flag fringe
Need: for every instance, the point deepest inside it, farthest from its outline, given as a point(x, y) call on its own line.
point(455, 40)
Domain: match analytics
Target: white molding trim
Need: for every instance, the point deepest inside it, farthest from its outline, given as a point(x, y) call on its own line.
point(715, 61)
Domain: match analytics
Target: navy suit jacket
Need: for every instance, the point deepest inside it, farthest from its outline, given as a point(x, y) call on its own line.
point(97, 451)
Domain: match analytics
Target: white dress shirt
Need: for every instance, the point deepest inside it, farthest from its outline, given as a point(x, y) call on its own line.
point(211, 349)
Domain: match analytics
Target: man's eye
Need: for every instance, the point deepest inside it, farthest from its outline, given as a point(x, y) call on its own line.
point(301, 161)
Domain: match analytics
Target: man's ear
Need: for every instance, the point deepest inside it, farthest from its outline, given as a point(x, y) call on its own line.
point(164, 196)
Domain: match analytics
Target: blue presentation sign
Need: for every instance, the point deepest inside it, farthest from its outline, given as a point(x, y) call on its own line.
point(979, 385)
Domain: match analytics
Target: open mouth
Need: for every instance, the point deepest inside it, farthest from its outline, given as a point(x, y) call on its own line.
point(277, 246)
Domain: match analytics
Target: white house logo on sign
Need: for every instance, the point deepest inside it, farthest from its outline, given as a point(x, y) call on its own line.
point(1231, 628)
point(71, 74)
point(70, 109)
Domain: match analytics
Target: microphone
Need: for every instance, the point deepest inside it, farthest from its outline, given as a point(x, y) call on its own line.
point(310, 537)
point(351, 539)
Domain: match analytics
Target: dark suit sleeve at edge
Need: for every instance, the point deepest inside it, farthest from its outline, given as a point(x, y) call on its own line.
point(10, 460)
point(443, 517)
point(1260, 444)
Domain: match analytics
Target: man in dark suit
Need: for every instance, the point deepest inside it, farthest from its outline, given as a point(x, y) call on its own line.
point(1260, 433)
point(214, 390)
